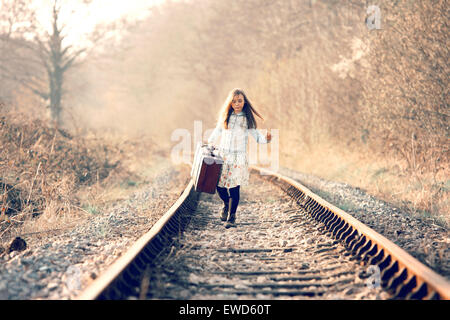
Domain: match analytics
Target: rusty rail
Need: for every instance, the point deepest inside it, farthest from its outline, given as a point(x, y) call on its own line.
point(125, 273)
point(401, 274)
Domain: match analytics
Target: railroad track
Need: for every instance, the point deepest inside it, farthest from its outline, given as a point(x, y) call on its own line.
point(296, 246)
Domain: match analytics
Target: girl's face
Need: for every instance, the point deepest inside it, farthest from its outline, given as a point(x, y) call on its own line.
point(237, 103)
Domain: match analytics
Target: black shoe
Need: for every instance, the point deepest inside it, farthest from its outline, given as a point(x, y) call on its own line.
point(224, 214)
point(231, 221)
point(230, 224)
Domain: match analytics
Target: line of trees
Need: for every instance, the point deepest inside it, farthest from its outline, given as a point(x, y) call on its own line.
point(313, 68)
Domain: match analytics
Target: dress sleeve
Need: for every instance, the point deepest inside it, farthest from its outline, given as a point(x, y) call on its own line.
point(215, 134)
point(257, 135)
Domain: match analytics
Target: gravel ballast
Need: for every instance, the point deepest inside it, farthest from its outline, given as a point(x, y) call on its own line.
point(60, 265)
point(422, 238)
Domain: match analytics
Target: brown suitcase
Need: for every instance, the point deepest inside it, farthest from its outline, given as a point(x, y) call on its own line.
point(206, 169)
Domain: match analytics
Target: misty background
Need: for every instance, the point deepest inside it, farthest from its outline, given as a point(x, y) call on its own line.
point(334, 87)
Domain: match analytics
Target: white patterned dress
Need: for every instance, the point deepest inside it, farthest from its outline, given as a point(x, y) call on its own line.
point(233, 149)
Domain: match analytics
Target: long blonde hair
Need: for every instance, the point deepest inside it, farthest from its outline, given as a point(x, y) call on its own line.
point(248, 109)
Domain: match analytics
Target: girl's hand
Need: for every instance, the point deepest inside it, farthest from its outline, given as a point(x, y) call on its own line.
point(268, 137)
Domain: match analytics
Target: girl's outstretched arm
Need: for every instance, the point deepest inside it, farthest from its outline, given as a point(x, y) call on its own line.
point(215, 134)
point(259, 137)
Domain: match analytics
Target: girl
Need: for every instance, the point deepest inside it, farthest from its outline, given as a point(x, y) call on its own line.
point(236, 121)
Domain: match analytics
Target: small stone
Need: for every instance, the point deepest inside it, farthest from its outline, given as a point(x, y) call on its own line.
point(348, 291)
point(52, 286)
point(240, 286)
point(4, 295)
point(304, 265)
point(26, 262)
point(384, 295)
point(194, 278)
point(18, 244)
point(44, 292)
point(184, 294)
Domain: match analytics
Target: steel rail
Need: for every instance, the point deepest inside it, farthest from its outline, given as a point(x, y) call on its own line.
point(125, 272)
point(401, 274)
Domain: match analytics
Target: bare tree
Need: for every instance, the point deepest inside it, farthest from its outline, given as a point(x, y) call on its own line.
point(37, 59)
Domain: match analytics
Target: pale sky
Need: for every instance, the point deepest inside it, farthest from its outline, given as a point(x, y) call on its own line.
point(81, 19)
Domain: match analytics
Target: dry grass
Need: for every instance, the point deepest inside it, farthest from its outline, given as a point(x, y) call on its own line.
point(423, 195)
point(370, 108)
point(51, 180)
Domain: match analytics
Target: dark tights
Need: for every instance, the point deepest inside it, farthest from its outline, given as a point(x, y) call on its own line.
point(234, 195)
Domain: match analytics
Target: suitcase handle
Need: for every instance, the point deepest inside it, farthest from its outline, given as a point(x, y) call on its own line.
point(210, 148)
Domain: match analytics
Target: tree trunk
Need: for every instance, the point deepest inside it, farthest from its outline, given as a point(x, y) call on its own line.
point(56, 81)
point(56, 72)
